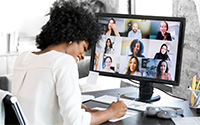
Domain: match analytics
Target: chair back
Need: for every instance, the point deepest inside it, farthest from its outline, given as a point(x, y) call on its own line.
point(13, 111)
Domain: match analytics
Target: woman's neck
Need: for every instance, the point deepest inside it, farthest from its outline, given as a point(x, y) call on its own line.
point(59, 47)
point(162, 76)
point(163, 33)
point(108, 68)
point(132, 72)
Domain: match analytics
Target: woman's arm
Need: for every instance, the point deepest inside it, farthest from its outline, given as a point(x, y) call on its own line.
point(114, 111)
point(88, 109)
point(115, 30)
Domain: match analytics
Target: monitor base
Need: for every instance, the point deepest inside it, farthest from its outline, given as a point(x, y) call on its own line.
point(132, 96)
point(145, 93)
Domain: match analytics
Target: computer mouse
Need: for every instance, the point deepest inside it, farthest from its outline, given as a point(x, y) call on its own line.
point(152, 111)
point(167, 113)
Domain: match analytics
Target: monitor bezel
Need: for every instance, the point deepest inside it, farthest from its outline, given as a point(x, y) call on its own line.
point(176, 81)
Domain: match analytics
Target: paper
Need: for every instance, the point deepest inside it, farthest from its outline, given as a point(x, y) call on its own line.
point(87, 97)
point(128, 114)
point(131, 104)
point(92, 78)
point(187, 121)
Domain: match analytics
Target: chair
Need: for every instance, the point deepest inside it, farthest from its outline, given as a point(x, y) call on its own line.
point(13, 112)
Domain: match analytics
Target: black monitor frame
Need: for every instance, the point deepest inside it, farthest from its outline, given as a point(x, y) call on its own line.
point(176, 81)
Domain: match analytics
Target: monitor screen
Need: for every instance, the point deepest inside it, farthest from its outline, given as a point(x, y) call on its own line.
point(147, 48)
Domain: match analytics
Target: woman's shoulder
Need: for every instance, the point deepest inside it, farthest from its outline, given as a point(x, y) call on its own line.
point(159, 32)
point(156, 55)
point(168, 76)
point(137, 73)
point(167, 33)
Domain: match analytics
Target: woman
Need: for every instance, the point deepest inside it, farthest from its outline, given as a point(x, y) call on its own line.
point(111, 28)
point(107, 63)
point(162, 71)
point(46, 82)
point(163, 53)
point(133, 67)
point(163, 34)
point(108, 47)
point(136, 48)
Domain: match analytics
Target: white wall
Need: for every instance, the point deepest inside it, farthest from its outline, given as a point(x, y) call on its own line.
point(24, 16)
point(22, 21)
point(153, 7)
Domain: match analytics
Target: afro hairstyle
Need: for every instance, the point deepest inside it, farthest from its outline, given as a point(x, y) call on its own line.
point(69, 22)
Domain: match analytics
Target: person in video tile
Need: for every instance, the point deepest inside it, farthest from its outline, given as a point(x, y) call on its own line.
point(108, 62)
point(162, 71)
point(135, 32)
point(136, 48)
point(163, 53)
point(111, 29)
point(96, 60)
point(108, 47)
point(163, 34)
point(133, 67)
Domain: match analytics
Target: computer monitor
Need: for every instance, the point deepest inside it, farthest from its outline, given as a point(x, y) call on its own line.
point(143, 48)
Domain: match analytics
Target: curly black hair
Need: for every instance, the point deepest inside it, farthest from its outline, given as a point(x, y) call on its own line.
point(132, 46)
point(69, 21)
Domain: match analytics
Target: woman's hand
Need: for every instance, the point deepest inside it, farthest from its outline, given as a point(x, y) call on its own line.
point(114, 111)
point(113, 26)
point(118, 109)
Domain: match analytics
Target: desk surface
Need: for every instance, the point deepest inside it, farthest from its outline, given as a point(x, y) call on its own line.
point(140, 118)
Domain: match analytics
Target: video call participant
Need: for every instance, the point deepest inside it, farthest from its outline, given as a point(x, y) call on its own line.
point(163, 34)
point(111, 29)
point(133, 67)
point(162, 71)
point(108, 47)
point(135, 32)
point(96, 62)
point(46, 82)
point(107, 63)
point(136, 48)
point(163, 53)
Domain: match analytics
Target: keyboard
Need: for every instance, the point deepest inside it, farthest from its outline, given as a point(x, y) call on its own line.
point(131, 104)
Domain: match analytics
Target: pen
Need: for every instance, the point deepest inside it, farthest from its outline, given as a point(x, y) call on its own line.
point(196, 102)
point(193, 88)
point(118, 96)
point(189, 88)
point(198, 85)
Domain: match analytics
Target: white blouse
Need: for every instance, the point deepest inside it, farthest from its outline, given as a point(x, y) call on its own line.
point(47, 89)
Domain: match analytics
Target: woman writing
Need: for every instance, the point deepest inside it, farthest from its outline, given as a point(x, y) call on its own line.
point(46, 82)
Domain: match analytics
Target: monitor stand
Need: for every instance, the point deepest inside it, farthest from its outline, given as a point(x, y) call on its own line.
point(145, 93)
